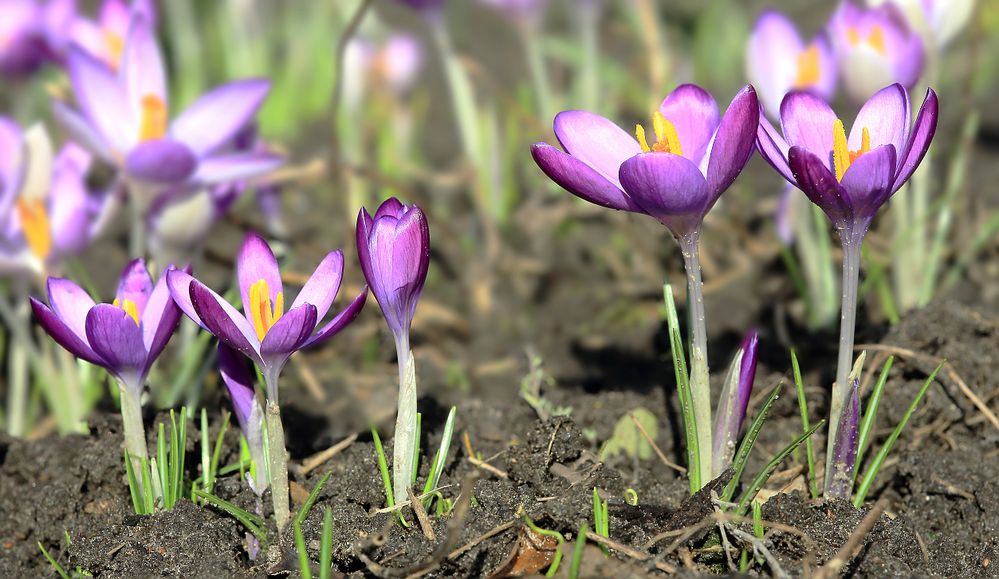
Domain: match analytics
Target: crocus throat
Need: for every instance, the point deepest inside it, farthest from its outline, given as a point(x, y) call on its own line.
point(843, 157)
point(875, 38)
point(809, 69)
point(116, 46)
point(667, 141)
point(153, 122)
point(264, 317)
point(35, 226)
point(129, 307)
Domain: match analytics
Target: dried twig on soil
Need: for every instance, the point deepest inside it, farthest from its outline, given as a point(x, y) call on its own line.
point(949, 371)
point(488, 467)
point(421, 516)
point(760, 547)
point(845, 553)
point(316, 460)
point(483, 537)
point(655, 447)
point(629, 551)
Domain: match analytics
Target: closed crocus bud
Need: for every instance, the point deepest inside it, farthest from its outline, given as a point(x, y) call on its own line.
point(875, 48)
point(394, 250)
point(734, 401)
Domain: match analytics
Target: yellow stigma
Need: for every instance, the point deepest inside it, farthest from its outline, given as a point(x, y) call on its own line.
point(129, 307)
point(875, 39)
point(667, 141)
point(809, 68)
point(264, 317)
point(35, 226)
point(153, 122)
point(116, 46)
point(843, 157)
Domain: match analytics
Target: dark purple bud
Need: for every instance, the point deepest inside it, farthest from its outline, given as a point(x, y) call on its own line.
point(734, 401)
point(845, 447)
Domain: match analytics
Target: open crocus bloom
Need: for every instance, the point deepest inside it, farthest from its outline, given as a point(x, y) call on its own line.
point(938, 21)
point(124, 118)
point(849, 177)
point(266, 333)
point(778, 61)
point(125, 336)
point(677, 179)
point(875, 47)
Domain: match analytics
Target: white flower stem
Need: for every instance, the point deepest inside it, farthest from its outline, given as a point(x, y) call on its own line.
point(405, 424)
point(131, 418)
point(700, 387)
point(278, 465)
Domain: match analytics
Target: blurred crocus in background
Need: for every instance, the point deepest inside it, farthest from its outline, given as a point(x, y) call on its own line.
point(875, 47)
point(850, 177)
point(104, 37)
point(677, 179)
point(394, 250)
point(938, 21)
point(267, 334)
point(124, 337)
point(26, 27)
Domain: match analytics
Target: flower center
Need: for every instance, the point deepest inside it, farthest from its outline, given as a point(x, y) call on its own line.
point(153, 122)
point(875, 38)
point(843, 157)
point(264, 317)
point(35, 226)
point(809, 69)
point(667, 141)
point(129, 307)
point(116, 47)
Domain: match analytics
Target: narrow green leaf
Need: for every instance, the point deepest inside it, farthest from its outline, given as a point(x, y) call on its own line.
point(303, 512)
point(383, 468)
point(799, 385)
point(326, 545)
point(748, 441)
point(867, 424)
point(217, 452)
point(161, 484)
point(683, 390)
point(304, 566)
point(252, 522)
point(133, 486)
point(416, 447)
point(577, 552)
point(55, 564)
point(553, 568)
point(879, 459)
point(441, 457)
point(764, 475)
point(206, 481)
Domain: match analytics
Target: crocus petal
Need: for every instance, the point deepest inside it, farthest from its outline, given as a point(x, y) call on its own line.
point(807, 121)
point(142, 66)
point(239, 383)
point(71, 303)
point(322, 286)
point(63, 335)
point(135, 285)
point(214, 118)
point(919, 142)
point(595, 141)
point(694, 114)
point(886, 117)
point(223, 320)
point(82, 131)
point(844, 456)
point(340, 321)
point(116, 338)
point(234, 167)
point(159, 320)
point(161, 161)
point(289, 333)
point(69, 209)
point(580, 179)
point(668, 187)
point(773, 148)
point(256, 262)
point(392, 207)
point(734, 143)
point(869, 179)
point(102, 99)
point(771, 57)
point(817, 182)
point(362, 233)
point(400, 255)
point(179, 283)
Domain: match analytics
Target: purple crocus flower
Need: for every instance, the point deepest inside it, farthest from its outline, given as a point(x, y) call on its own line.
point(124, 117)
point(938, 21)
point(394, 250)
point(240, 385)
point(104, 37)
point(779, 61)
point(844, 454)
point(875, 47)
point(265, 333)
point(849, 177)
point(677, 179)
point(23, 44)
point(731, 410)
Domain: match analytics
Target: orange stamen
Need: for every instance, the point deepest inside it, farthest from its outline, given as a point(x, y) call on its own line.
point(843, 157)
point(130, 308)
point(36, 226)
point(667, 139)
point(264, 317)
point(153, 122)
point(809, 68)
point(116, 47)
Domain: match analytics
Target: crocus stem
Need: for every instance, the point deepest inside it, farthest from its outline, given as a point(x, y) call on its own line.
point(278, 464)
point(700, 387)
point(405, 425)
point(848, 320)
point(131, 419)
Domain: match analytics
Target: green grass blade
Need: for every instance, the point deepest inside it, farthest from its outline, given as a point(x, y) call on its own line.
point(577, 552)
point(683, 390)
point(764, 475)
point(147, 486)
point(304, 565)
point(205, 454)
point(799, 386)
point(416, 448)
point(213, 468)
point(441, 457)
point(383, 467)
point(879, 459)
point(133, 486)
point(55, 564)
point(326, 545)
point(553, 568)
point(162, 485)
point(748, 441)
point(252, 522)
point(313, 497)
point(870, 414)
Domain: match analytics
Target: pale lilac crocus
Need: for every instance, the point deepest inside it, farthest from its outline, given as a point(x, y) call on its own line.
point(125, 337)
point(677, 179)
point(938, 21)
point(104, 37)
point(394, 250)
point(24, 35)
point(730, 413)
point(875, 47)
point(265, 333)
point(849, 176)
